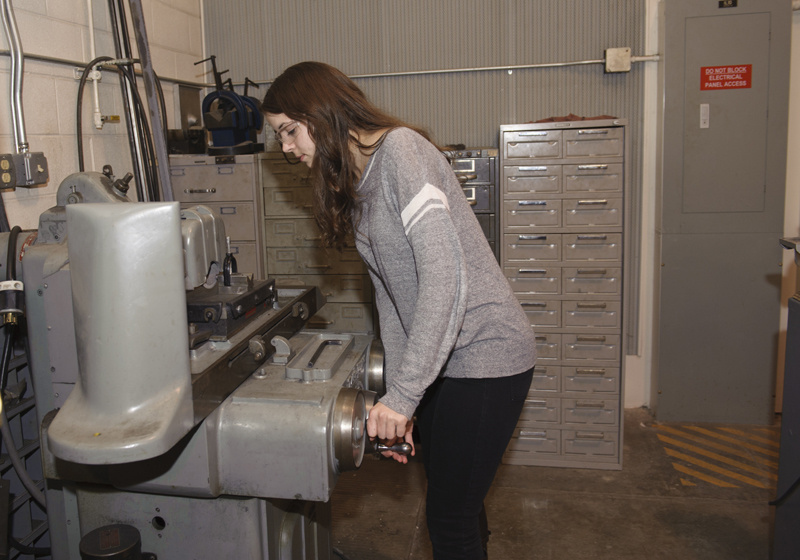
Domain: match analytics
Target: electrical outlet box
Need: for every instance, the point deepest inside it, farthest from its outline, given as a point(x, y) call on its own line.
point(618, 59)
point(8, 173)
point(28, 169)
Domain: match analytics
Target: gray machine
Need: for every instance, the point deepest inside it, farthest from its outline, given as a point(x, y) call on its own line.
point(185, 412)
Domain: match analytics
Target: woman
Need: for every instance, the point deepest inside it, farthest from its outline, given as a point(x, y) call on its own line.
point(459, 349)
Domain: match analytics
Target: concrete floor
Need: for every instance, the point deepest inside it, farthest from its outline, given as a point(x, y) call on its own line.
point(647, 510)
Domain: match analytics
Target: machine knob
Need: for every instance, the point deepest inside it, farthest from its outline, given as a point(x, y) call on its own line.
point(403, 448)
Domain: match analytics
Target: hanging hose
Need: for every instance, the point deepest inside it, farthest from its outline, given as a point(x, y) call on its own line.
point(81, 85)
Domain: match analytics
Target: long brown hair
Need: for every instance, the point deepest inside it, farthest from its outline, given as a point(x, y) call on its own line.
point(333, 108)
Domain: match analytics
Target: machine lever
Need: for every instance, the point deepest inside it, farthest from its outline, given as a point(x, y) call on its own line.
point(403, 448)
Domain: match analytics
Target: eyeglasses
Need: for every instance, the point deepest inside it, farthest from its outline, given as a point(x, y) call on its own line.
point(287, 132)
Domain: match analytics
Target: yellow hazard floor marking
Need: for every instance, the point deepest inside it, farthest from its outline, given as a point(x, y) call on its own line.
point(714, 468)
point(718, 457)
point(702, 476)
point(719, 446)
point(738, 442)
point(766, 441)
point(707, 454)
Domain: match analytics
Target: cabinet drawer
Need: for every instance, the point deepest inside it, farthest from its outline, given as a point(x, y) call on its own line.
point(307, 260)
point(480, 197)
point(488, 223)
point(292, 232)
point(593, 178)
point(531, 144)
point(277, 172)
point(596, 347)
point(534, 281)
point(598, 314)
point(592, 142)
point(344, 317)
point(532, 213)
point(523, 247)
point(592, 280)
point(538, 409)
point(534, 441)
point(593, 212)
point(478, 169)
point(546, 379)
point(590, 443)
point(546, 313)
point(592, 246)
point(603, 412)
point(280, 203)
point(238, 218)
point(548, 346)
point(590, 379)
point(201, 180)
point(532, 179)
point(337, 288)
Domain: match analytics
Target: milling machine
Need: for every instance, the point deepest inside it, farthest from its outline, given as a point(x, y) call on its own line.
point(185, 411)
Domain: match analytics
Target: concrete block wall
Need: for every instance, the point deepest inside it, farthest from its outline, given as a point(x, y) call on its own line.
point(59, 29)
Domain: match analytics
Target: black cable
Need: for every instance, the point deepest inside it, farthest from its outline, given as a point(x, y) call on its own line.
point(11, 254)
point(81, 85)
point(779, 501)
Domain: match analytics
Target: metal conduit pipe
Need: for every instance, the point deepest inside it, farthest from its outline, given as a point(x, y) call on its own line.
point(17, 63)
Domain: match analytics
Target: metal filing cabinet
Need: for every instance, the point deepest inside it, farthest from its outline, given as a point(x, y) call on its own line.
point(294, 254)
point(230, 185)
point(563, 188)
point(476, 169)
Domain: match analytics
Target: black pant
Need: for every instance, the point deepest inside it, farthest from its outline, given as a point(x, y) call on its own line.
point(465, 426)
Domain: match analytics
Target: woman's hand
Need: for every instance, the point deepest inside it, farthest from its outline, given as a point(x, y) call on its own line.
point(390, 427)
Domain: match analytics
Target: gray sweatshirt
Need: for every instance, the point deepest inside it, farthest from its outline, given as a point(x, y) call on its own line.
point(444, 306)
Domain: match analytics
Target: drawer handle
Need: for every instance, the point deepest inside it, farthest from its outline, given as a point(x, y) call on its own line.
point(532, 237)
point(592, 237)
point(598, 271)
point(317, 238)
point(199, 191)
point(533, 133)
point(532, 271)
point(533, 304)
point(590, 338)
point(590, 372)
point(596, 305)
point(598, 405)
point(590, 435)
point(537, 404)
point(592, 167)
point(532, 203)
point(541, 338)
point(595, 131)
point(472, 202)
point(592, 202)
point(526, 433)
point(319, 323)
point(225, 170)
point(318, 266)
point(532, 168)
point(462, 178)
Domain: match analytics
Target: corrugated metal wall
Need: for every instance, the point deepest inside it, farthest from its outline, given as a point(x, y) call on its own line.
point(258, 39)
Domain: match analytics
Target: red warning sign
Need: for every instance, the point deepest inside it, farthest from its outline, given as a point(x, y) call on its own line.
point(726, 77)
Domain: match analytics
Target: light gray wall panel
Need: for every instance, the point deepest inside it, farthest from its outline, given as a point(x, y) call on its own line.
point(380, 36)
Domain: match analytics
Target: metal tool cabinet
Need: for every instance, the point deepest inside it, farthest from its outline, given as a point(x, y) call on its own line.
point(230, 185)
point(294, 254)
point(562, 225)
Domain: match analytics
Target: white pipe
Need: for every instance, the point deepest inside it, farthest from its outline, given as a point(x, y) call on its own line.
point(97, 116)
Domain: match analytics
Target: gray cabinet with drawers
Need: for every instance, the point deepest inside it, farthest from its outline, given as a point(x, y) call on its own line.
point(563, 189)
point(230, 185)
point(294, 254)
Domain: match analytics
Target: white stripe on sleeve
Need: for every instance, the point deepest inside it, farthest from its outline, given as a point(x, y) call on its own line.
point(427, 198)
